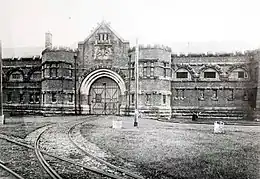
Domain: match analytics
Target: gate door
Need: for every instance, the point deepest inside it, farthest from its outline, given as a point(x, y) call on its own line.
point(104, 97)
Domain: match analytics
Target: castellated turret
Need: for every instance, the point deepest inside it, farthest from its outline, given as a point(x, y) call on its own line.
point(154, 80)
point(48, 39)
point(58, 80)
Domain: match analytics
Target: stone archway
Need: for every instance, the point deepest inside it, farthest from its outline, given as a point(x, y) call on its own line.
point(102, 92)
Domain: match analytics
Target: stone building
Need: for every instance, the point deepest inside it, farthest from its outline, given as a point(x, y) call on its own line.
point(98, 78)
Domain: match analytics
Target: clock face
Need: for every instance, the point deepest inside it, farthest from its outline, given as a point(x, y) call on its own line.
point(102, 52)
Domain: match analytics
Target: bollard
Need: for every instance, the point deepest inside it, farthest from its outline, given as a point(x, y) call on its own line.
point(117, 124)
point(219, 127)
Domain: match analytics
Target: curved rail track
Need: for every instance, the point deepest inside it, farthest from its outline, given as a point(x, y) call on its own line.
point(43, 162)
point(116, 168)
point(39, 153)
point(9, 170)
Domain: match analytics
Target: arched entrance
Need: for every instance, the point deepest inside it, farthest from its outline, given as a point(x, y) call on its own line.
point(104, 97)
point(102, 91)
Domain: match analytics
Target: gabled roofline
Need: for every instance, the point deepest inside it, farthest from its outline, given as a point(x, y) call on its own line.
point(103, 23)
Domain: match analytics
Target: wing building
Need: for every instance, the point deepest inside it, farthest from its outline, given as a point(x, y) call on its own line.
point(98, 78)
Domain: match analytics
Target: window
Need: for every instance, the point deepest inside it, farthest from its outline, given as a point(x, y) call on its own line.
point(152, 69)
point(241, 74)
point(145, 70)
point(70, 72)
point(201, 95)
point(21, 97)
point(9, 97)
point(54, 97)
point(245, 96)
point(176, 94)
point(214, 94)
point(230, 95)
point(37, 98)
point(43, 98)
point(182, 74)
point(36, 75)
point(164, 99)
point(182, 94)
point(209, 74)
point(148, 69)
point(164, 70)
point(148, 98)
point(53, 70)
point(70, 97)
point(133, 70)
point(103, 37)
point(31, 98)
point(133, 98)
point(16, 76)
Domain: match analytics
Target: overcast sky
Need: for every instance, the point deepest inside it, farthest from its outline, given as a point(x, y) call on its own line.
point(210, 24)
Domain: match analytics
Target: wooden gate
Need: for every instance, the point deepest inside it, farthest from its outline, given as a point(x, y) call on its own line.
point(104, 97)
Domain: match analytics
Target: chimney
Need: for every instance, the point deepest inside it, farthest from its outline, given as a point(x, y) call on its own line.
point(48, 39)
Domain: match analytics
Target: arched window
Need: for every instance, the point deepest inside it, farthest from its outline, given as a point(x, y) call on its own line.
point(209, 74)
point(238, 74)
point(182, 74)
point(35, 76)
point(16, 76)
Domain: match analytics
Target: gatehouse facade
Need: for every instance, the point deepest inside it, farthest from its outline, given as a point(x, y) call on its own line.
point(99, 78)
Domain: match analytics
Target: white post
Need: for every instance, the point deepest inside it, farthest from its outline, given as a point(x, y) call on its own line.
point(2, 119)
point(136, 83)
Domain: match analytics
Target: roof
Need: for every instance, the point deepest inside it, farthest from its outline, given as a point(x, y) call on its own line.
point(22, 52)
point(104, 25)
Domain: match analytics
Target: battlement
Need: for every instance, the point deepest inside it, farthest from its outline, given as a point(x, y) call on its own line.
point(59, 48)
point(36, 57)
point(152, 47)
point(217, 54)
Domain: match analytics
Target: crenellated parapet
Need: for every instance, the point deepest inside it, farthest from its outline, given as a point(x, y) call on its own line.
point(216, 54)
point(59, 48)
point(151, 47)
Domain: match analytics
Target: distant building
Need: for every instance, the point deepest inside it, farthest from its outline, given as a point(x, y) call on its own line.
point(98, 78)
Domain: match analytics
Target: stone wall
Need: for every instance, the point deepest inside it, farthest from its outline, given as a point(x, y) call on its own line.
point(21, 84)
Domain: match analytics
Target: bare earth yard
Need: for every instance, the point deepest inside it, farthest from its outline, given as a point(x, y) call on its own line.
point(171, 150)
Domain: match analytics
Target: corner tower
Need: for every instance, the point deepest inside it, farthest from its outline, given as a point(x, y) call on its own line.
point(154, 81)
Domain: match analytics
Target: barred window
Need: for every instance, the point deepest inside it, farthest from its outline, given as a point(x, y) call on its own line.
point(37, 98)
point(148, 69)
point(164, 70)
point(209, 74)
point(182, 75)
point(164, 99)
point(70, 97)
point(132, 98)
point(21, 97)
point(9, 96)
point(53, 72)
point(231, 95)
point(148, 98)
point(133, 70)
point(54, 97)
point(31, 97)
point(16, 76)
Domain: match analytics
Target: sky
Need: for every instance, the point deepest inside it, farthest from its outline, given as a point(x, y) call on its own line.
point(184, 25)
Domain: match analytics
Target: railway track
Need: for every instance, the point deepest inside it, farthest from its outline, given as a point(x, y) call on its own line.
point(65, 161)
point(43, 162)
point(122, 172)
point(10, 171)
point(113, 172)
